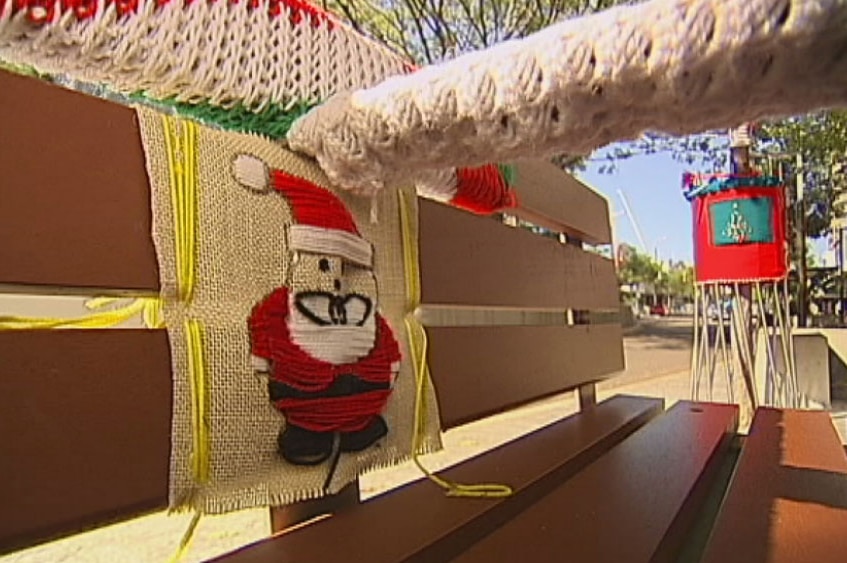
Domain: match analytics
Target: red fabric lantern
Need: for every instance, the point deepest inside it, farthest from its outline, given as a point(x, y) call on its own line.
point(740, 230)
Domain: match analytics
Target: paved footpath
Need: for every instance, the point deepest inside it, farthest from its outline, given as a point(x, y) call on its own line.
point(658, 361)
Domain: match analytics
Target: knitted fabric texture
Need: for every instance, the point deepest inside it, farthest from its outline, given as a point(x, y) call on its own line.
point(242, 66)
point(242, 257)
point(227, 53)
point(676, 66)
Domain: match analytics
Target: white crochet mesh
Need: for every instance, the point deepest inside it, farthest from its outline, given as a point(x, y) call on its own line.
point(677, 66)
point(215, 51)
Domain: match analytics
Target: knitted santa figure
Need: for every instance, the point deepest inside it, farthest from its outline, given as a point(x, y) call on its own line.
point(330, 356)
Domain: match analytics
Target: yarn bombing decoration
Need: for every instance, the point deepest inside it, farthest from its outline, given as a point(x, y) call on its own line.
point(739, 227)
point(253, 66)
point(286, 309)
point(265, 56)
point(674, 66)
point(330, 355)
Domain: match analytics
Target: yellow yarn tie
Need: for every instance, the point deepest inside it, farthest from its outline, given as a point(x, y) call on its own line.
point(181, 146)
point(418, 346)
point(185, 541)
point(200, 404)
point(101, 316)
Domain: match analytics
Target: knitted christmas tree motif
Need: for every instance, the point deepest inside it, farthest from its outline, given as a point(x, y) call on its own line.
point(737, 227)
point(746, 220)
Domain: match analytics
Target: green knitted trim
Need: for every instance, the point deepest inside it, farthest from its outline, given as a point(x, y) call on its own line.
point(509, 173)
point(24, 70)
point(273, 122)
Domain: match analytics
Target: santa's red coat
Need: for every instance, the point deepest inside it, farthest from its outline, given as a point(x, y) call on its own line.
point(294, 367)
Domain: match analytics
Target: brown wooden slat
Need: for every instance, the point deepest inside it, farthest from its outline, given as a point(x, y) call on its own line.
point(472, 260)
point(478, 371)
point(630, 505)
point(552, 198)
point(84, 429)
point(788, 498)
point(419, 523)
point(74, 195)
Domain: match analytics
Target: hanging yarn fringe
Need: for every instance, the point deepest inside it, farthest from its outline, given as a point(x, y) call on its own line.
point(418, 344)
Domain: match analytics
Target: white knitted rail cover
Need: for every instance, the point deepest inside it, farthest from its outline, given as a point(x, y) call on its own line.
point(673, 66)
point(249, 66)
point(253, 53)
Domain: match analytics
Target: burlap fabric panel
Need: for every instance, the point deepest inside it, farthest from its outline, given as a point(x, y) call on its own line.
point(242, 255)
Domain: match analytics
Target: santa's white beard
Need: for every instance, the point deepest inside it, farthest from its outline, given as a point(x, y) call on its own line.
point(336, 344)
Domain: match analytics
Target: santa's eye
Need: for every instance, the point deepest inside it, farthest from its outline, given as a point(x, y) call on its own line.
point(323, 264)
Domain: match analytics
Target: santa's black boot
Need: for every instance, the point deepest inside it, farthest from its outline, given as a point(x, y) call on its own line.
point(361, 439)
point(304, 447)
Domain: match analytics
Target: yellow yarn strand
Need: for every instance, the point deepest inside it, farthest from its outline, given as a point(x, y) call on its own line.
point(200, 402)
point(101, 316)
point(185, 542)
point(418, 346)
point(181, 148)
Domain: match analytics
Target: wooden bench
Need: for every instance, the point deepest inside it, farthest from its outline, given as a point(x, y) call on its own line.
point(85, 415)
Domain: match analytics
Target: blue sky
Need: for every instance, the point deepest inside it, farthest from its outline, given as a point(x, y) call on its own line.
point(652, 185)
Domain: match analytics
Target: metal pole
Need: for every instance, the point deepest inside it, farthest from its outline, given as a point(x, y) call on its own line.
point(800, 223)
point(841, 276)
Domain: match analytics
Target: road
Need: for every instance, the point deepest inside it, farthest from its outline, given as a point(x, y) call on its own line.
point(656, 347)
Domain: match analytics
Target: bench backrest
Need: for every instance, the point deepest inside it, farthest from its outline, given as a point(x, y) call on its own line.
point(512, 316)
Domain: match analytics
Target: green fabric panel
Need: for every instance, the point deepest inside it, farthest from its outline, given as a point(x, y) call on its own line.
point(742, 221)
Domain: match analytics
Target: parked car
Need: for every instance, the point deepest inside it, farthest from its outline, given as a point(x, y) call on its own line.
point(659, 310)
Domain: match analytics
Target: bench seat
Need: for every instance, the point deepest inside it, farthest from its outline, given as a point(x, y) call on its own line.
point(635, 504)
point(418, 522)
point(787, 501)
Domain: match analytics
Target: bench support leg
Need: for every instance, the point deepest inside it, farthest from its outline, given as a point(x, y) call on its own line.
point(587, 396)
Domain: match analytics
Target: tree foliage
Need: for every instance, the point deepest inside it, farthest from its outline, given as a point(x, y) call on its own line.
point(820, 139)
point(640, 269)
point(429, 31)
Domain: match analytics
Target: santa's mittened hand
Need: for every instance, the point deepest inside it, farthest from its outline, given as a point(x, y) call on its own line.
point(251, 172)
point(260, 365)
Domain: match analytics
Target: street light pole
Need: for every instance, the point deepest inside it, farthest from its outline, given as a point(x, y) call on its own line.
point(800, 218)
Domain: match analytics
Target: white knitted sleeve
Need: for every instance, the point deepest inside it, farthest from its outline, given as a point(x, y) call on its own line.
point(675, 66)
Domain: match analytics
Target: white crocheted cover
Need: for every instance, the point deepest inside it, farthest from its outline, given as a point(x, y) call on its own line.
point(676, 66)
point(245, 65)
point(222, 52)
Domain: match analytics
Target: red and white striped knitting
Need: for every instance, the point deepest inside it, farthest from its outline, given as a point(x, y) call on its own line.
point(225, 52)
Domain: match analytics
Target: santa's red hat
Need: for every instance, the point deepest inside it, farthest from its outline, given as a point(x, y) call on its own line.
point(323, 224)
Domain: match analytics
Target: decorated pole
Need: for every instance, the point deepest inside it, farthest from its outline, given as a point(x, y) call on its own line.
point(741, 269)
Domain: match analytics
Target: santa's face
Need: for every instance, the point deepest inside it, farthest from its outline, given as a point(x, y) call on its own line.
point(332, 306)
